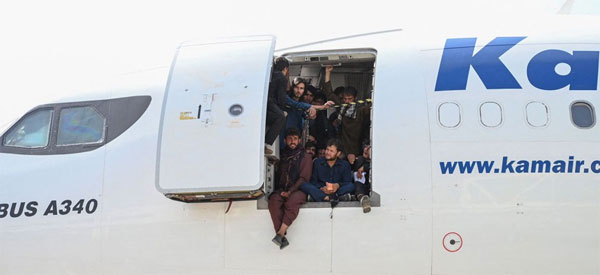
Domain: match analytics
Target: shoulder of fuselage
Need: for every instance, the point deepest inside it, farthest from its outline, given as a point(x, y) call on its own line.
point(149, 82)
point(421, 35)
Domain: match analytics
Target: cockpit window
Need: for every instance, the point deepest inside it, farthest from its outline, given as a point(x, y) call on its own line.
point(31, 132)
point(80, 125)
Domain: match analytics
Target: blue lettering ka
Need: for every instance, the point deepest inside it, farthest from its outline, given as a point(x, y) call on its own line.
point(458, 58)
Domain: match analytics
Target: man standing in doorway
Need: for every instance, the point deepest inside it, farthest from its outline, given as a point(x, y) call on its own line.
point(295, 168)
point(352, 119)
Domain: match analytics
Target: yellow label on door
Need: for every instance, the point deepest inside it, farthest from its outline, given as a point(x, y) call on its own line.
point(186, 116)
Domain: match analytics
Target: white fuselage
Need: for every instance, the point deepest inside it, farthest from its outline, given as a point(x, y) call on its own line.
point(508, 222)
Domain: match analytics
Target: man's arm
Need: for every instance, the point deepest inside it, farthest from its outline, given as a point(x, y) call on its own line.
point(328, 70)
point(305, 171)
point(296, 104)
point(324, 106)
point(327, 88)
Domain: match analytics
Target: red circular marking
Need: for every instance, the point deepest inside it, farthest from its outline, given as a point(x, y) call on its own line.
point(444, 242)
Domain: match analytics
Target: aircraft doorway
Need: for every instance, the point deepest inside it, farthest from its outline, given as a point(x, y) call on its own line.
point(325, 75)
point(214, 116)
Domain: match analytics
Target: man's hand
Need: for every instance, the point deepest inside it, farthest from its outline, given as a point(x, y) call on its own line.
point(351, 158)
point(359, 172)
point(312, 113)
point(324, 189)
point(336, 187)
point(312, 139)
point(325, 106)
point(332, 189)
point(285, 194)
point(328, 68)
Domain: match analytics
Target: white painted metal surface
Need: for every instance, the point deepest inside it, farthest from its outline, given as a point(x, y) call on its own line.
point(216, 95)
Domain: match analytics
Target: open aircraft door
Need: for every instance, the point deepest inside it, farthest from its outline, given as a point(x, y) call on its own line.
point(212, 131)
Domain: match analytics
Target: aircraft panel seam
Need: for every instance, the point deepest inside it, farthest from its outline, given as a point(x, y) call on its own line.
point(337, 39)
point(424, 85)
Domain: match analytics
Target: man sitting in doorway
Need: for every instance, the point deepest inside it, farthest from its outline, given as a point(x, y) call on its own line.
point(295, 168)
point(362, 169)
point(311, 149)
point(331, 177)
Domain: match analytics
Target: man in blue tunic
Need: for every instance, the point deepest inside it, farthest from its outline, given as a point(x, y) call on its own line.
point(331, 176)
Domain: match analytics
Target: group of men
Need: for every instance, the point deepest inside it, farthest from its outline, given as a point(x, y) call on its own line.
point(336, 163)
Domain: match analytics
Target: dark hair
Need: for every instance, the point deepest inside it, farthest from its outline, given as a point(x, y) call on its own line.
point(335, 142)
point(312, 89)
point(297, 81)
point(292, 132)
point(338, 90)
point(350, 91)
point(281, 63)
point(319, 95)
point(310, 144)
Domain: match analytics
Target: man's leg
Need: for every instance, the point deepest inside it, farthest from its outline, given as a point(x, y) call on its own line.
point(362, 194)
point(345, 189)
point(359, 190)
point(276, 211)
point(292, 208)
point(313, 191)
point(275, 121)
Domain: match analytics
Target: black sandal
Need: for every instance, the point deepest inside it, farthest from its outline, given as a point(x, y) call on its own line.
point(284, 243)
point(278, 240)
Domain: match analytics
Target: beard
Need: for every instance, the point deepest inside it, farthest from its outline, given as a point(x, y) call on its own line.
point(329, 159)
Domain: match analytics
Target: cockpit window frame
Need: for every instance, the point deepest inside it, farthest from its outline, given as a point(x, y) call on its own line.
point(119, 115)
